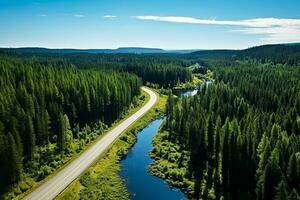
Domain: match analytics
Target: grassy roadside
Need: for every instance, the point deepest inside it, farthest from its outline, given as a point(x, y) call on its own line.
point(27, 185)
point(102, 180)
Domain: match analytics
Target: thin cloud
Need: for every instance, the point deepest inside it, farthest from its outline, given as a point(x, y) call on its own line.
point(273, 29)
point(274, 34)
point(109, 16)
point(65, 14)
point(258, 22)
point(43, 15)
point(78, 15)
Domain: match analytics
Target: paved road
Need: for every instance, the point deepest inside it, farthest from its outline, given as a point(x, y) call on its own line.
point(55, 185)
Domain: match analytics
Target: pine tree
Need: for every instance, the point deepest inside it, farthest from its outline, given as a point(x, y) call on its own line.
point(225, 159)
point(16, 135)
point(209, 131)
point(217, 183)
point(62, 129)
point(294, 195)
point(292, 174)
point(4, 170)
point(30, 138)
point(271, 178)
point(217, 144)
point(169, 108)
point(281, 191)
point(46, 127)
point(15, 161)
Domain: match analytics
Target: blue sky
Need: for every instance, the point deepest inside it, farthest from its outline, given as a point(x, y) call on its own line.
point(168, 24)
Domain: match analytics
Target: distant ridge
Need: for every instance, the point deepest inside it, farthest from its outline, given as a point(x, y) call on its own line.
point(215, 53)
point(291, 48)
point(269, 49)
point(138, 50)
point(127, 50)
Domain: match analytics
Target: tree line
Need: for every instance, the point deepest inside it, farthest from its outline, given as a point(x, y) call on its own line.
point(288, 54)
point(165, 70)
point(242, 134)
point(46, 104)
point(162, 70)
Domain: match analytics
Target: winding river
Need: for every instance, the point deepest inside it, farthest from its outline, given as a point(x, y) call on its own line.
point(134, 170)
point(134, 167)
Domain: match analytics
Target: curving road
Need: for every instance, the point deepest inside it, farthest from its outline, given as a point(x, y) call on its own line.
point(56, 184)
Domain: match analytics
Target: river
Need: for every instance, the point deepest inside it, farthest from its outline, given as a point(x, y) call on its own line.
point(185, 93)
point(134, 167)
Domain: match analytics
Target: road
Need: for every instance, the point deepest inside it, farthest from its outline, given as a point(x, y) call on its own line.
point(55, 185)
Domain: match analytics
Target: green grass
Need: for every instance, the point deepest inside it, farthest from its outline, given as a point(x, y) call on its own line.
point(102, 180)
point(195, 82)
point(171, 163)
point(189, 85)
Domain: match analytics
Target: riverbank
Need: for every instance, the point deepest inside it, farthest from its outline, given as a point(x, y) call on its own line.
point(194, 83)
point(171, 163)
point(171, 160)
point(102, 180)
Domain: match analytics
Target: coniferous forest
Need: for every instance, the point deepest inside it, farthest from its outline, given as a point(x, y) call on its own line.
point(149, 100)
point(43, 104)
point(166, 71)
point(51, 106)
point(238, 138)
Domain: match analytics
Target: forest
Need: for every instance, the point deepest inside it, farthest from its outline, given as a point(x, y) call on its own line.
point(44, 107)
point(243, 126)
point(162, 69)
point(288, 54)
point(53, 105)
point(237, 139)
point(280, 54)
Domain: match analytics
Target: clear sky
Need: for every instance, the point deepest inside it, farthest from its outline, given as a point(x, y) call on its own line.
point(168, 24)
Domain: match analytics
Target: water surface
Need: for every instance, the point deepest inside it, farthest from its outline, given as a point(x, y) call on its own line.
point(186, 93)
point(134, 169)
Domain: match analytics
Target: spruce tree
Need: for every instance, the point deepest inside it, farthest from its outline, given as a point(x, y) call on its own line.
point(294, 195)
point(61, 135)
point(30, 138)
point(281, 191)
point(209, 130)
point(292, 174)
point(15, 161)
point(225, 159)
point(217, 143)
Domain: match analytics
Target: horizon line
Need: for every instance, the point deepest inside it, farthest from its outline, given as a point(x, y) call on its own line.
point(166, 49)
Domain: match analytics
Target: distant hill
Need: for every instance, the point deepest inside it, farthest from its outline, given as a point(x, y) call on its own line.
point(138, 50)
point(271, 49)
point(276, 53)
point(215, 53)
point(129, 50)
point(37, 50)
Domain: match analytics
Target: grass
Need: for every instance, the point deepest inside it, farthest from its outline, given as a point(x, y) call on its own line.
point(171, 163)
point(189, 85)
point(196, 81)
point(28, 184)
point(102, 180)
